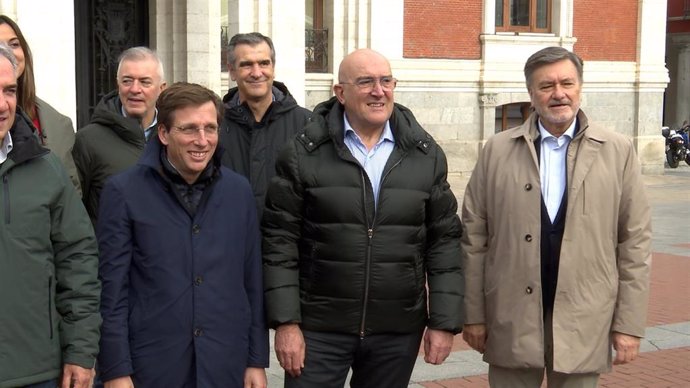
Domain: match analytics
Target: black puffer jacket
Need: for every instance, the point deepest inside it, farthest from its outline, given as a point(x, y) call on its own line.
point(333, 262)
point(251, 148)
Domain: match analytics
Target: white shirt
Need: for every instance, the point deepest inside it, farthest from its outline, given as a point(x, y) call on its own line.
point(5, 148)
point(552, 167)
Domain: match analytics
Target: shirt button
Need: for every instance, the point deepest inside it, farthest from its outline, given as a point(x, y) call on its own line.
point(198, 280)
point(528, 290)
point(196, 229)
point(528, 237)
point(198, 332)
point(528, 187)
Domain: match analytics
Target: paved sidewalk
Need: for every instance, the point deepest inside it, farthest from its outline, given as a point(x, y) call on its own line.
point(665, 358)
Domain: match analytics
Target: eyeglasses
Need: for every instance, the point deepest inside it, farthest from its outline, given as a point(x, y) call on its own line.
point(191, 130)
point(367, 84)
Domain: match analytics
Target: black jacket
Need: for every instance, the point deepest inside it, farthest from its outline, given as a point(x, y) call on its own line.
point(333, 262)
point(109, 144)
point(251, 148)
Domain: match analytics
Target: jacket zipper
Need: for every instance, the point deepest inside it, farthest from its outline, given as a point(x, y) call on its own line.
point(6, 189)
point(50, 310)
point(370, 235)
point(367, 259)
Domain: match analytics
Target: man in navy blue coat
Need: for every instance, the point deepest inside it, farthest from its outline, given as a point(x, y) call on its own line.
point(180, 260)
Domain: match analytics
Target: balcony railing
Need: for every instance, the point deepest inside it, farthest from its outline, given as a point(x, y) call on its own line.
point(316, 51)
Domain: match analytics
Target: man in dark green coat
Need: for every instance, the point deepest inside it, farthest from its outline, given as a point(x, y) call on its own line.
point(49, 289)
point(124, 118)
point(359, 219)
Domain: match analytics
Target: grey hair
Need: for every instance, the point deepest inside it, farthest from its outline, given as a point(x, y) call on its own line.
point(547, 56)
point(252, 39)
point(6, 51)
point(140, 53)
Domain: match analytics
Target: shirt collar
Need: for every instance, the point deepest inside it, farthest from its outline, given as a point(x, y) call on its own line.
point(153, 123)
point(386, 135)
point(570, 132)
point(5, 147)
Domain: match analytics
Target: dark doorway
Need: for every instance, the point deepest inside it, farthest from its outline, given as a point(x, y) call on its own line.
point(103, 29)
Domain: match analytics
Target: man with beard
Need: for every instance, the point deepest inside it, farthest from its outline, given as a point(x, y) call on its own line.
point(121, 123)
point(260, 114)
point(558, 241)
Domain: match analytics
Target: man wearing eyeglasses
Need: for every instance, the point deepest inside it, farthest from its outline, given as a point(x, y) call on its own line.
point(180, 260)
point(260, 113)
point(359, 220)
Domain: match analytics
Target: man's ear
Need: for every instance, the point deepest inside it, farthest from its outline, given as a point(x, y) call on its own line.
point(163, 134)
point(339, 93)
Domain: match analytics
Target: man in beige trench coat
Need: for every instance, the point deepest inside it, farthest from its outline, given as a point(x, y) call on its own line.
point(558, 238)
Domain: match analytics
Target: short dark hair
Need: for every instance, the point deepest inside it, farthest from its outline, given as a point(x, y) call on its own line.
point(547, 56)
point(181, 95)
point(252, 39)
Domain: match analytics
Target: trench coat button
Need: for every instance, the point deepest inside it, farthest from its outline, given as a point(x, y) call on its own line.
point(198, 332)
point(528, 237)
point(528, 290)
point(311, 143)
point(528, 187)
point(198, 280)
point(196, 229)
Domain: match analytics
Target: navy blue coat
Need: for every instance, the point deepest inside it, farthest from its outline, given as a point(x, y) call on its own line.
point(182, 300)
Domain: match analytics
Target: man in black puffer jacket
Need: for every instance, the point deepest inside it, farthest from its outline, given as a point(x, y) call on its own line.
point(358, 220)
point(260, 114)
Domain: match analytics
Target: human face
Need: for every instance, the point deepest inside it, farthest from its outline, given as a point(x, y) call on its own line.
point(555, 94)
point(253, 71)
point(139, 85)
point(367, 109)
point(191, 153)
point(9, 37)
point(8, 96)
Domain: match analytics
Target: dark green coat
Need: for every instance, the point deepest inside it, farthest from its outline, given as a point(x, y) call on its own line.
point(109, 144)
point(49, 289)
point(333, 262)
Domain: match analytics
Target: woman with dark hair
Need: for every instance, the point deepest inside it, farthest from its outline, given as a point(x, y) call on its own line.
point(54, 129)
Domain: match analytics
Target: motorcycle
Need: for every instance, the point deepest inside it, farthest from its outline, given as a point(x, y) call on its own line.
point(677, 148)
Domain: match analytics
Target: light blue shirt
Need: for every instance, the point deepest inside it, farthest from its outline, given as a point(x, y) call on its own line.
point(552, 167)
point(373, 161)
point(5, 148)
point(151, 128)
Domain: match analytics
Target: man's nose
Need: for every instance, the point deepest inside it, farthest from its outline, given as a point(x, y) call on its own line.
point(255, 71)
point(136, 87)
point(377, 89)
point(201, 138)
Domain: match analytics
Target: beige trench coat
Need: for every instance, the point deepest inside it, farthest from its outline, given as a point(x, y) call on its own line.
point(603, 278)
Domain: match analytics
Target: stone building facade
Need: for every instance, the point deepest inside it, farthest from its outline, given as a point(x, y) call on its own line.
point(459, 62)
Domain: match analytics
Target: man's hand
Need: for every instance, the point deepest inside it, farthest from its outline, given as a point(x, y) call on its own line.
point(437, 345)
point(76, 376)
point(290, 348)
point(475, 336)
point(120, 382)
point(627, 347)
point(255, 378)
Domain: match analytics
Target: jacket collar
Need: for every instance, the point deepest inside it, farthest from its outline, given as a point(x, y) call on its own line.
point(327, 124)
point(25, 143)
point(108, 113)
